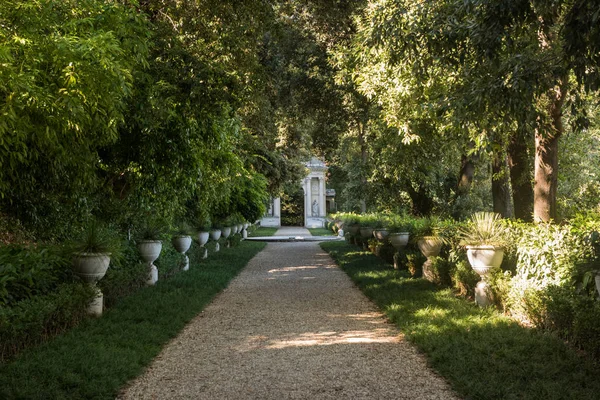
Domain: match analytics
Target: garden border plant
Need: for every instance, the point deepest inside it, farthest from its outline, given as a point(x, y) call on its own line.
point(476, 350)
point(96, 358)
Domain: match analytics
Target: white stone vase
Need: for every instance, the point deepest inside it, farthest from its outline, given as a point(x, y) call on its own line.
point(149, 251)
point(430, 246)
point(354, 229)
point(482, 259)
point(182, 245)
point(381, 234)
point(366, 232)
point(215, 235)
point(226, 232)
point(399, 239)
point(203, 237)
point(91, 267)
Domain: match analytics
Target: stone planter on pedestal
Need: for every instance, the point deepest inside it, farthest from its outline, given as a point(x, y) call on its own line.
point(91, 267)
point(430, 246)
point(381, 234)
point(399, 240)
point(203, 237)
point(482, 259)
point(354, 231)
point(226, 232)
point(149, 251)
point(182, 245)
point(215, 235)
point(366, 232)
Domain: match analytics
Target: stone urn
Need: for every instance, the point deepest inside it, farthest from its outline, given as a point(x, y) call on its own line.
point(226, 232)
point(430, 246)
point(482, 259)
point(203, 237)
point(381, 234)
point(398, 239)
point(182, 245)
point(149, 251)
point(91, 267)
point(597, 281)
point(354, 229)
point(215, 235)
point(366, 232)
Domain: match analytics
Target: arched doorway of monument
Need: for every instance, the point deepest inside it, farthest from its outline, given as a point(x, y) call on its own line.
point(292, 205)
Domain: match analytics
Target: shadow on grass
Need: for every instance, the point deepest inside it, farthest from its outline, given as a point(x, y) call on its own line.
point(483, 354)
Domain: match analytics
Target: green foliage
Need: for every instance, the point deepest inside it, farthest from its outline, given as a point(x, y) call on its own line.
point(98, 239)
point(183, 228)
point(475, 349)
point(441, 270)
point(98, 357)
point(464, 279)
point(399, 223)
point(29, 271)
point(152, 229)
point(30, 321)
point(292, 206)
point(484, 228)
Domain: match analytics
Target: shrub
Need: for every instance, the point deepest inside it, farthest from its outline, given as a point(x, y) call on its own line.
point(464, 279)
point(125, 275)
point(546, 255)
point(27, 271)
point(441, 269)
point(30, 321)
point(586, 326)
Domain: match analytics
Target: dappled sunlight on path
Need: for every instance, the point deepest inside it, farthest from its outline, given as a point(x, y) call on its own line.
point(291, 325)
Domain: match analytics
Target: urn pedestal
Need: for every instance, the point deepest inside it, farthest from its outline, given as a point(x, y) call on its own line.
point(215, 235)
point(91, 267)
point(399, 240)
point(430, 246)
point(182, 245)
point(149, 251)
point(482, 259)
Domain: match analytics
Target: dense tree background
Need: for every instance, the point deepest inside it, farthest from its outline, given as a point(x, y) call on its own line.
point(122, 110)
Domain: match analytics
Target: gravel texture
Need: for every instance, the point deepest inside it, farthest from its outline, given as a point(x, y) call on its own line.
point(290, 326)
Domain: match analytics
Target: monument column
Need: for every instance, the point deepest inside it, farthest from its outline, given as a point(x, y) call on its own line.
point(277, 207)
point(307, 201)
point(322, 208)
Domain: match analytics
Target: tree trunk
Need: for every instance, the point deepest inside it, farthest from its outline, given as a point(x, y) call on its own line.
point(467, 172)
point(364, 158)
point(520, 175)
point(422, 204)
point(546, 158)
point(500, 189)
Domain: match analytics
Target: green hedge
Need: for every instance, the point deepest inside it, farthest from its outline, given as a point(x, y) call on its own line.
point(546, 279)
point(41, 306)
point(33, 320)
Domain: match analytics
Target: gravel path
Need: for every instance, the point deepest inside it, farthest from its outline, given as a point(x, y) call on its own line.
point(290, 326)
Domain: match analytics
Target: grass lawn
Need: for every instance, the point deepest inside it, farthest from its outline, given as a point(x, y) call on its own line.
point(95, 359)
point(483, 354)
point(321, 232)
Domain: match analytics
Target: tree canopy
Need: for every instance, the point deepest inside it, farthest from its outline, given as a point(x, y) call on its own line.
point(196, 110)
